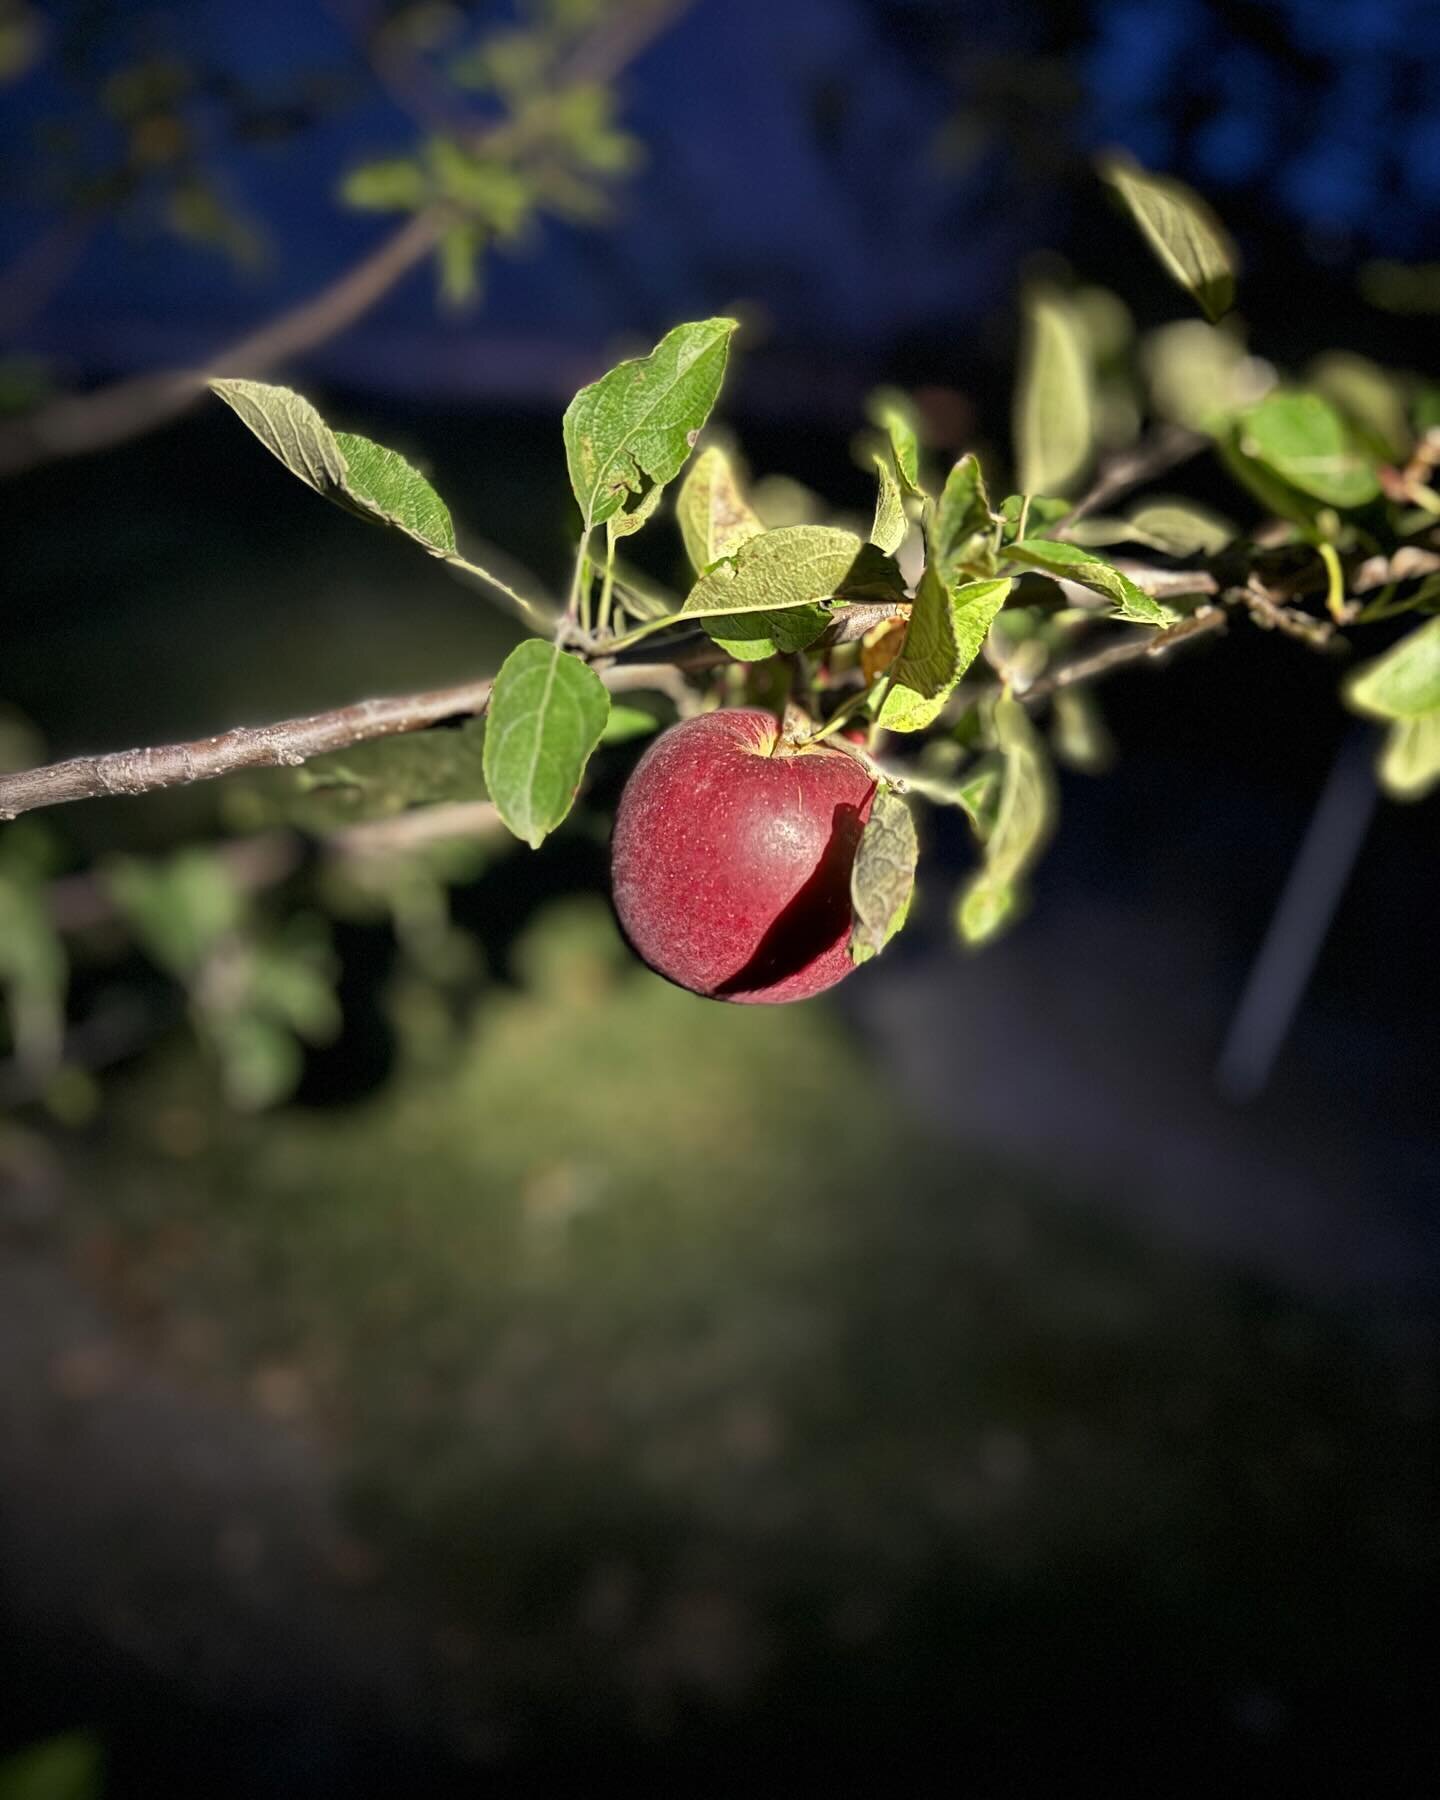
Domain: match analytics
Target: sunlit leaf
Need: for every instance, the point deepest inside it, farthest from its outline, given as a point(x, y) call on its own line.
point(1302, 439)
point(626, 723)
point(637, 424)
point(947, 629)
point(374, 482)
point(1053, 424)
point(714, 516)
point(1069, 562)
point(890, 526)
point(546, 713)
point(894, 414)
point(960, 534)
point(1023, 823)
point(769, 595)
point(882, 879)
point(1410, 762)
point(1182, 231)
point(1404, 683)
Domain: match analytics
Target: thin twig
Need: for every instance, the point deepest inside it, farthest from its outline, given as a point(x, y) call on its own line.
point(1204, 623)
point(1167, 449)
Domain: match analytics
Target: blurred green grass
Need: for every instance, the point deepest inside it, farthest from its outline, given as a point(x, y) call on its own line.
point(698, 1374)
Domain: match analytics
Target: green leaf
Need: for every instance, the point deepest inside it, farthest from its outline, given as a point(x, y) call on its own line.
point(1078, 732)
point(626, 723)
point(63, 1768)
point(882, 879)
point(546, 713)
point(385, 487)
point(370, 781)
point(890, 526)
point(181, 908)
point(894, 413)
point(714, 516)
point(1053, 423)
point(767, 596)
point(638, 424)
point(393, 184)
point(1068, 562)
point(976, 792)
point(1023, 823)
point(1036, 511)
point(1173, 527)
point(626, 524)
point(1404, 683)
point(961, 529)
point(34, 974)
point(1410, 762)
point(1301, 438)
point(1183, 232)
point(947, 628)
point(1371, 398)
point(361, 476)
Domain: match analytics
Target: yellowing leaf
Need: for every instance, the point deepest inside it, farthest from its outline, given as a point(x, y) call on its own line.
point(638, 424)
point(714, 516)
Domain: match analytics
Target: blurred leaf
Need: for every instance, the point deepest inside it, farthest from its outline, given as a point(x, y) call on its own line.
point(947, 629)
point(1182, 231)
point(976, 792)
point(882, 879)
point(714, 517)
point(637, 425)
point(962, 527)
point(393, 184)
point(1302, 439)
point(1410, 762)
point(63, 1768)
point(355, 473)
point(1023, 822)
point(767, 596)
point(1036, 512)
point(488, 191)
point(1200, 377)
point(1371, 398)
point(1053, 423)
point(22, 40)
point(546, 713)
point(890, 526)
point(458, 254)
point(34, 974)
point(1404, 683)
point(1173, 527)
point(369, 781)
point(626, 723)
point(894, 414)
point(260, 1060)
point(179, 908)
point(1078, 732)
point(1068, 562)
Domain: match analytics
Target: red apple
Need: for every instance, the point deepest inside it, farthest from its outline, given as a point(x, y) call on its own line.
point(731, 859)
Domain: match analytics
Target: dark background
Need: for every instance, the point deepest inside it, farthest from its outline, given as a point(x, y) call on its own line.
point(949, 1372)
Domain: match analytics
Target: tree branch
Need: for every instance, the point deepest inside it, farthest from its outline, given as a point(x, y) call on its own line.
point(124, 409)
point(80, 423)
point(1166, 449)
point(286, 744)
point(1204, 623)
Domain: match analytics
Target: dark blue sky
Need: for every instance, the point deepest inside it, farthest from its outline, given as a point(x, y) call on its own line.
point(796, 164)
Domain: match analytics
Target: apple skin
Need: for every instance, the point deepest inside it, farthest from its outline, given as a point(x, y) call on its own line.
point(730, 864)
